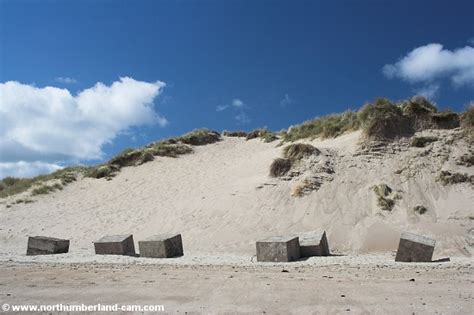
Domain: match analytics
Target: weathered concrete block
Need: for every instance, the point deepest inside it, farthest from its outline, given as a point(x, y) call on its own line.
point(161, 246)
point(43, 245)
point(313, 243)
point(415, 248)
point(278, 249)
point(115, 245)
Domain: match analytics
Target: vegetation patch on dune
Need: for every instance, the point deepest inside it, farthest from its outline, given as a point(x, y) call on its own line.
point(467, 122)
point(101, 171)
point(280, 167)
point(173, 147)
point(242, 134)
point(23, 200)
point(446, 178)
point(131, 157)
point(383, 192)
point(11, 185)
point(46, 189)
point(466, 160)
point(197, 137)
point(169, 150)
point(263, 133)
point(420, 209)
point(291, 154)
point(128, 157)
point(135, 157)
point(382, 120)
point(379, 120)
point(421, 142)
point(325, 127)
point(297, 151)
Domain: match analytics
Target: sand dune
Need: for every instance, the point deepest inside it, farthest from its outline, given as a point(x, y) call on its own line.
point(222, 200)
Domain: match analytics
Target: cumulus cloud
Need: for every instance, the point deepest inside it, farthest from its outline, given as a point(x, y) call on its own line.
point(26, 169)
point(432, 63)
point(49, 124)
point(66, 80)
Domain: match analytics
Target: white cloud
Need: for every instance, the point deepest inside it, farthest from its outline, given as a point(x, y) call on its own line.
point(26, 169)
point(286, 100)
point(49, 124)
point(239, 107)
point(221, 108)
point(237, 103)
point(66, 80)
point(429, 91)
point(471, 41)
point(430, 63)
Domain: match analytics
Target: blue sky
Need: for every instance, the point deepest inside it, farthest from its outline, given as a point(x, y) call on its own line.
point(216, 64)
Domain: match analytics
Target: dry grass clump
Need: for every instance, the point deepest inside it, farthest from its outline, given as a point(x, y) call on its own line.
point(421, 142)
point(386, 204)
point(169, 150)
point(303, 187)
point(466, 160)
point(299, 189)
point(325, 127)
point(420, 209)
point(242, 134)
point(280, 167)
point(135, 157)
point(46, 189)
point(198, 137)
point(23, 200)
point(291, 153)
point(467, 122)
point(128, 157)
point(444, 120)
point(101, 171)
point(297, 151)
point(467, 118)
point(384, 120)
point(418, 106)
point(131, 157)
point(380, 120)
point(446, 178)
point(383, 192)
point(11, 185)
point(263, 133)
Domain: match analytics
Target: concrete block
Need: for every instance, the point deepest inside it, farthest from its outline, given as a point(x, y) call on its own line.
point(415, 248)
point(278, 249)
point(313, 243)
point(43, 245)
point(161, 246)
point(115, 245)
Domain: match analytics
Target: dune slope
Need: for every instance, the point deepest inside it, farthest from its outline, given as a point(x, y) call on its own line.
point(222, 199)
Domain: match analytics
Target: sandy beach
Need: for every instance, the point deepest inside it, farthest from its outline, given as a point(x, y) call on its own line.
point(370, 284)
